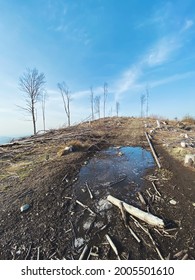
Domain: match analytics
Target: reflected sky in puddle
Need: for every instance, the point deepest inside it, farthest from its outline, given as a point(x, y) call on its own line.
point(116, 171)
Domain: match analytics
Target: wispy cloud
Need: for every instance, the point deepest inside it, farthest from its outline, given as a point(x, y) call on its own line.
point(161, 51)
point(187, 25)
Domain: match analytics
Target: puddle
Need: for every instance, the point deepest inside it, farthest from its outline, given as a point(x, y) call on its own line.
point(116, 171)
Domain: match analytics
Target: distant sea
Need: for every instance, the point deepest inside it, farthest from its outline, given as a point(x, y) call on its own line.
point(5, 139)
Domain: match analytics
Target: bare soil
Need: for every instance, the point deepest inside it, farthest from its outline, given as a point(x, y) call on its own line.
point(37, 171)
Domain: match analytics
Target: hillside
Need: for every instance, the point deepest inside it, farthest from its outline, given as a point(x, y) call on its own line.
point(43, 172)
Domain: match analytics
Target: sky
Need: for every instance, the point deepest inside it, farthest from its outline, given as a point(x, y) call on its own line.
point(131, 45)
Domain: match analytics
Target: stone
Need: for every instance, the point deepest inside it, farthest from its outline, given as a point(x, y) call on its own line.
point(104, 204)
point(173, 202)
point(183, 144)
point(24, 207)
point(189, 159)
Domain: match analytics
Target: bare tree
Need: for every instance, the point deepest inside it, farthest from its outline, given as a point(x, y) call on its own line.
point(97, 105)
point(105, 97)
point(66, 97)
point(147, 101)
point(44, 96)
point(143, 100)
point(92, 103)
point(32, 84)
point(117, 107)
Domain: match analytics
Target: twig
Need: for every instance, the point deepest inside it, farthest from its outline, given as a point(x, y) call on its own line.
point(28, 251)
point(150, 236)
point(125, 222)
point(90, 193)
point(85, 206)
point(156, 189)
point(123, 213)
point(134, 235)
point(141, 198)
point(38, 253)
point(83, 252)
point(112, 246)
point(185, 257)
point(148, 193)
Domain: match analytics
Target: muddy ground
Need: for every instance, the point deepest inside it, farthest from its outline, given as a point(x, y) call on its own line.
point(38, 172)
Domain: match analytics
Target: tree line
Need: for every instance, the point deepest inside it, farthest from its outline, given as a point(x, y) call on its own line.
point(32, 83)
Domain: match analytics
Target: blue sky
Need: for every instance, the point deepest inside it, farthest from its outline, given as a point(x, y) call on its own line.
point(129, 44)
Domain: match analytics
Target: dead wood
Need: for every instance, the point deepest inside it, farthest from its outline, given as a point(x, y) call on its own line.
point(112, 246)
point(85, 206)
point(141, 198)
point(142, 215)
point(151, 238)
point(155, 188)
point(125, 222)
point(90, 193)
point(84, 252)
point(153, 151)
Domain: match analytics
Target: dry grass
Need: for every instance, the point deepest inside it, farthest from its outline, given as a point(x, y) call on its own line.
point(188, 119)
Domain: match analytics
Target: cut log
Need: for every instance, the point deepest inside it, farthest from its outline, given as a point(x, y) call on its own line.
point(153, 151)
point(142, 215)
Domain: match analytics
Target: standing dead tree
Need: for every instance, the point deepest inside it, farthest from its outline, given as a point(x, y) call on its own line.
point(44, 96)
point(97, 105)
point(32, 84)
point(143, 100)
point(92, 103)
point(66, 97)
point(117, 107)
point(105, 97)
point(147, 101)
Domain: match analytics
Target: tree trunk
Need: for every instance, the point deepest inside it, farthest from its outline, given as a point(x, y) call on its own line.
point(34, 119)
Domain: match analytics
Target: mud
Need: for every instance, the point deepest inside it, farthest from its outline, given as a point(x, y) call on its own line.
point(56, 226)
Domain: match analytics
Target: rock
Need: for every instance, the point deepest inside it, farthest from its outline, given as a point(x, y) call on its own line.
point(104, 204)
point(183, 144)
point(88, 223)
point(79, 242)
point(24, 207)
point(193, 204)
point(66, 151)
point(189, 159)
point(173, 202)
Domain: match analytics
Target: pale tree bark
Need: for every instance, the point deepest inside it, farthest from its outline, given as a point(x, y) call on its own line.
point(105, 97)
point(97, 105)
point(117, 107)
point(44, 96)
point(66, 97)
point(143, 100)
point(32, 84)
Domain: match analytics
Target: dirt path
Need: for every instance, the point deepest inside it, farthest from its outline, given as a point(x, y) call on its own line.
point(57, 227)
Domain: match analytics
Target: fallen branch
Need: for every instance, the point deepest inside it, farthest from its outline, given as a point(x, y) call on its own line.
point(86, 207)
point(142, 215)
point(151, 238)
point(156, 189)
point(153, 151)
point(112, 246)
point(141, 198)
point(125, 222)
point(90, 193)
point(83, 252)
